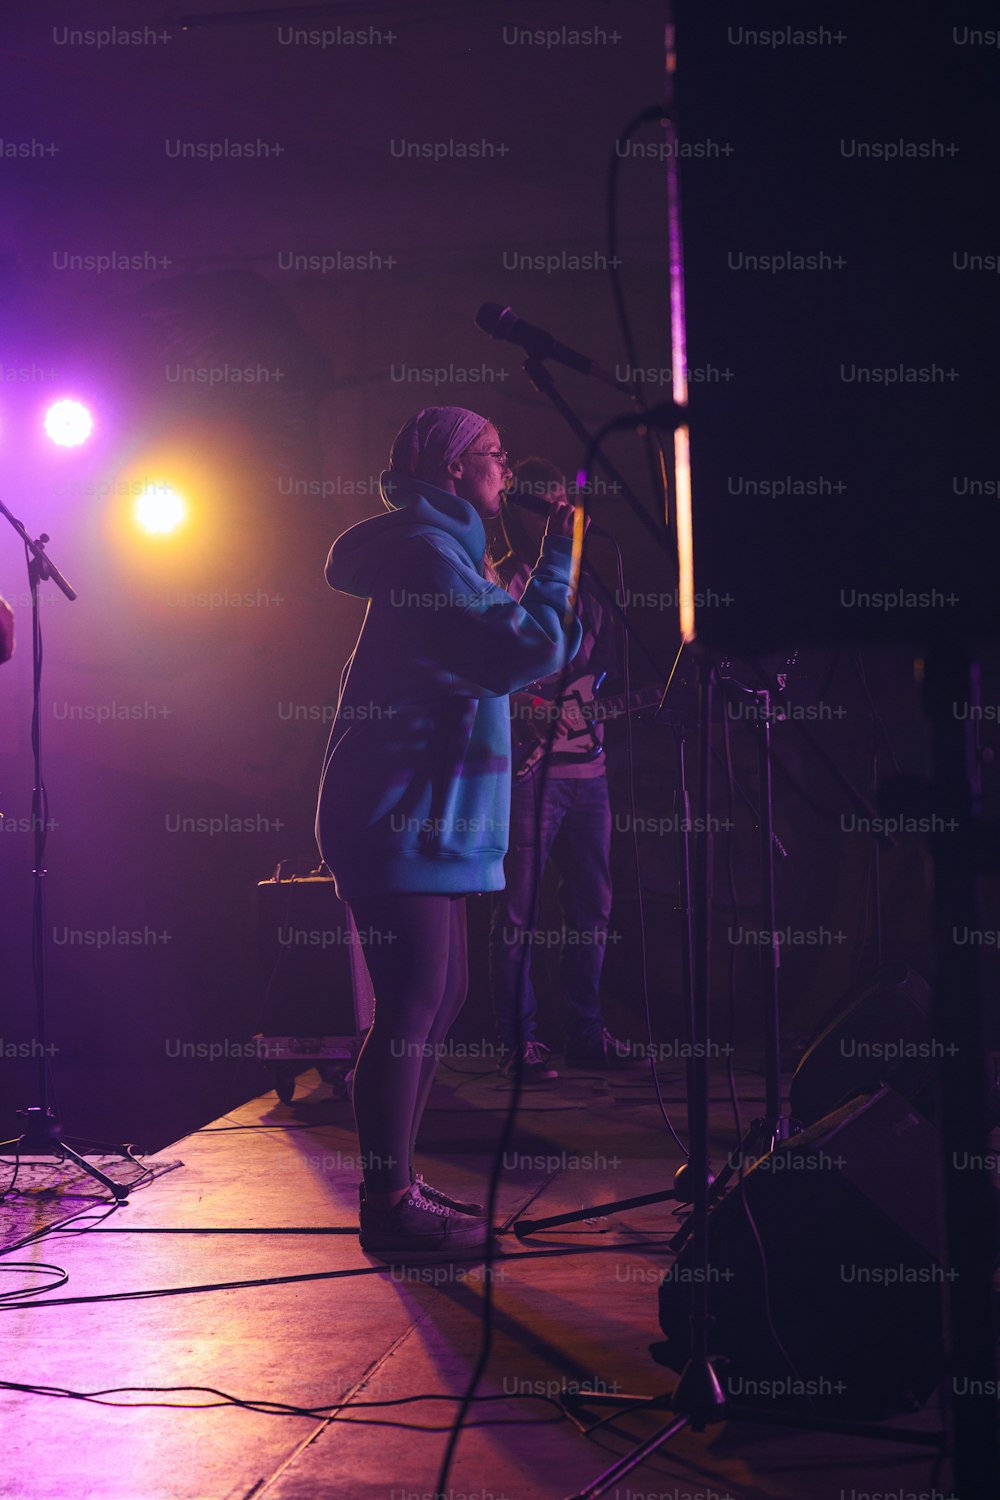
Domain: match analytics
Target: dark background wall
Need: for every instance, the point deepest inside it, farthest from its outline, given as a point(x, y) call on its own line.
point(163, 701)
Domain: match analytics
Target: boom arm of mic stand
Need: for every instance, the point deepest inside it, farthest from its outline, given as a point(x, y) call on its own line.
point(543, 382)
point(41, 564)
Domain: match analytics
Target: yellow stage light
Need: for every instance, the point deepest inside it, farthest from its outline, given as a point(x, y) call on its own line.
point(160, 510)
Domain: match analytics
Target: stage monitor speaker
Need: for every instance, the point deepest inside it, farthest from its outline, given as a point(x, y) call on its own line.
point(312, 962)
point(851, 1225)
point(881, 1034)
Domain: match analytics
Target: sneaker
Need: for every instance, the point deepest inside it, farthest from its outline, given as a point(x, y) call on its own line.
point(604, 1052)
point(534, 1063)
point(476, 1210)
point(418, 1229)
point(436, 1196)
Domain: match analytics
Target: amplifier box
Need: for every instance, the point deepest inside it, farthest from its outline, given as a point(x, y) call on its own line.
point(312, 963)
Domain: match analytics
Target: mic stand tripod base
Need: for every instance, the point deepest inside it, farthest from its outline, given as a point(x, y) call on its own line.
point(43, 1137)
point(697, 1401)
point(523, 1227)
point(699, 1387)
point(760, 1140)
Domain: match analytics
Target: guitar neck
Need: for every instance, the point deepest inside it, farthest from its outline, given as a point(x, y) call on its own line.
point(613, 708)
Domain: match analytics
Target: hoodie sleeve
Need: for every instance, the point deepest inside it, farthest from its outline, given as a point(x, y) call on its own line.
point(491, 643)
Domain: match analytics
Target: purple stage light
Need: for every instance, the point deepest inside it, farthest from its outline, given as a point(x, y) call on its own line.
point(68, 423)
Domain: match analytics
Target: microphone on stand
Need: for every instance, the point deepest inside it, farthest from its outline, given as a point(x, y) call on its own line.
point(503, 323)
point(539, 507)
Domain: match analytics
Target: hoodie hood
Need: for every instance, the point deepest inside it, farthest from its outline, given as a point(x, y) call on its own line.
point(414, 506)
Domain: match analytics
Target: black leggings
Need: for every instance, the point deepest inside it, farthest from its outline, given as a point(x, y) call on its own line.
point(416, 950)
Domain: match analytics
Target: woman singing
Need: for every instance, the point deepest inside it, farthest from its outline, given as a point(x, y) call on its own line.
point(414, 801)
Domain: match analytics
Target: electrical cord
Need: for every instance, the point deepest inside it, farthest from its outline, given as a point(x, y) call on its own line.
point(510, 1118)
point(347, 1274)
point(873, 891)
point(734, 1098)
point(465, 1073)
point(31, 1268)
point(634, 819)
point(486, 1340)
point(655, 1403)
point(829, 814)
point(17, 1167)
point(876, 717)
point(659, 468)
point(282, 1408)
point(744, 1199)
point(40, 816)
point(220, 1129)
point(630, 764)
point(153, 1293)
point(87, 1228)
point(862, 924)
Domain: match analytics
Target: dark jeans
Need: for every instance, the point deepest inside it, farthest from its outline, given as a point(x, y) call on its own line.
point(417, 956)
point(575, 830)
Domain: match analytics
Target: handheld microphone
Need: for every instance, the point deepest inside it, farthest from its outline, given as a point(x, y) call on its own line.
point(503, 323)
point(539, 507)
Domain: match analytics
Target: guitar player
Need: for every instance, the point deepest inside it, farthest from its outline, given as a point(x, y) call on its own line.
point(572, 821)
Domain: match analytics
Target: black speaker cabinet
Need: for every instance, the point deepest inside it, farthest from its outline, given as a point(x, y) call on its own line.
point(881, 1033)
point(851, 1224)
point(312, 964)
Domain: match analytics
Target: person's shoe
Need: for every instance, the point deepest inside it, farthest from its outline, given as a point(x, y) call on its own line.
point(418, 1229)
point(535, 1067)
point(605, 1052)
point(436, 1196)
point(476, 1210)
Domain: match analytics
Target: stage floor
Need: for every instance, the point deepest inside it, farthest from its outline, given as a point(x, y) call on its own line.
point(241, 1271)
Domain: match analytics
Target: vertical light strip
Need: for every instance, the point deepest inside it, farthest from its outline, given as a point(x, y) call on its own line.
point(685, 536)
point(678, 348)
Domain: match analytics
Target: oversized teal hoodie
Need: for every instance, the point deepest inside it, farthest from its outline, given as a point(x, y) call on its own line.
point(415, 792)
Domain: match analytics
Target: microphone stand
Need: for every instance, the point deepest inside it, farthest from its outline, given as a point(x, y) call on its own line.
point(42, 1129)
point(542, 380)
point(774, 1126)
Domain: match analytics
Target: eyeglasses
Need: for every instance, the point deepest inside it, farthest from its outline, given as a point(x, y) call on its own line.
point(497, 453)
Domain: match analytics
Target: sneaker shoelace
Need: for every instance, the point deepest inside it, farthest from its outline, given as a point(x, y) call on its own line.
point(428, 1205)
point(427, 1191)
point(535, 1054)
point(455, 1204)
